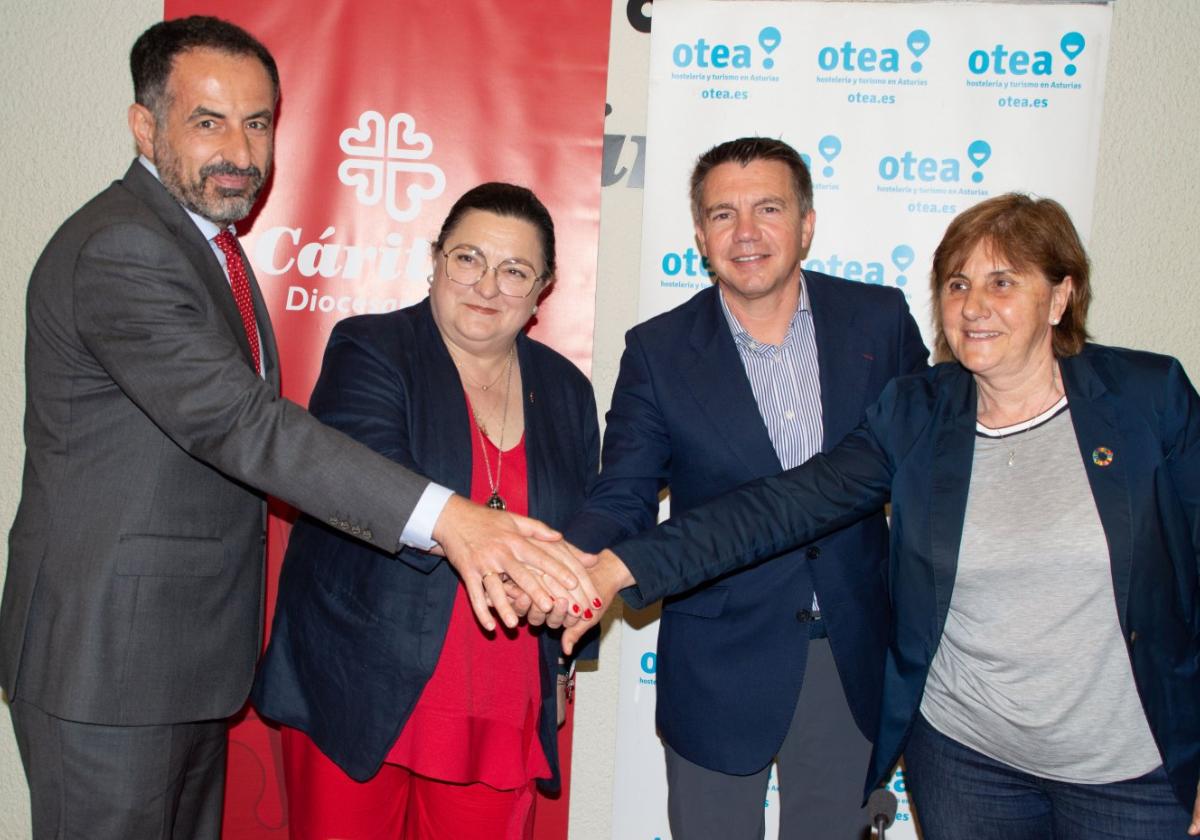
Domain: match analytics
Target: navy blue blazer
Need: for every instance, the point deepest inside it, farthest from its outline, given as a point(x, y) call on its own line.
point(732, 653)
point(357, 632)
point(917, 444)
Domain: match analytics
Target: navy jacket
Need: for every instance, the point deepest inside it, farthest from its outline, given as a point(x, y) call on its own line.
point(732, 653)
point(917, 445)
point(357, 632)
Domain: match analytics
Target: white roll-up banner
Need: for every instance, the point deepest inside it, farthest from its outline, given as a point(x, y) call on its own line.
point(907, 113)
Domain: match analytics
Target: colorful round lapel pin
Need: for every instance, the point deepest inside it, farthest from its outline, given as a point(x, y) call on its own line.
point(1102, 456)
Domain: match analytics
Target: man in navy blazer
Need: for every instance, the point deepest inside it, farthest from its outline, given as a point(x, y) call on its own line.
point(756, 374)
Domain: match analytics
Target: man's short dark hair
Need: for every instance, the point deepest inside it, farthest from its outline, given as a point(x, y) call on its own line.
point(744, 151)
point(153, 54)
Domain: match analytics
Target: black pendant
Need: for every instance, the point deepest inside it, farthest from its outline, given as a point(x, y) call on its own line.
point(495, 502)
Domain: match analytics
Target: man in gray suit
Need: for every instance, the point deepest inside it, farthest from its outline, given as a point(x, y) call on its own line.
point(132, 611)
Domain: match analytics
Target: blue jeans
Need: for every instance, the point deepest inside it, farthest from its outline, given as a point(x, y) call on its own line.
point(958, 793)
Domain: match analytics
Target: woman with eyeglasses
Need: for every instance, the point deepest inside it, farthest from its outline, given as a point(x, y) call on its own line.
point(402, 716)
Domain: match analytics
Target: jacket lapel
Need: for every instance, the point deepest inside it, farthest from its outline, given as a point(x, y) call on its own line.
point(843, 368)
point(266, 332)
point(199, 253)
point(952, 457)
point(541, 436)
point(1098, 433)
point(718, 382)
point(438, 392)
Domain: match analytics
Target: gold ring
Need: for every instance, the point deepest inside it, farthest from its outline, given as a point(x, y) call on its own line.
point(485, 576)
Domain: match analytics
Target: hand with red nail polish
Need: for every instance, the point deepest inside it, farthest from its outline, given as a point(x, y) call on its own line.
point(566, 610)
point(609, 575)
point(563, 613)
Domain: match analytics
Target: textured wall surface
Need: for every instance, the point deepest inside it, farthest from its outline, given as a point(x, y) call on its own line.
point(66, 89)
point(1143, 240)
point(64, 138)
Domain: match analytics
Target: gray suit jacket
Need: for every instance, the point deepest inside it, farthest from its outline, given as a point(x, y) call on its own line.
point(135, 574)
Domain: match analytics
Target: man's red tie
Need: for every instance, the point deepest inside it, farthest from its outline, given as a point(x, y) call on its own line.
point(240, 284)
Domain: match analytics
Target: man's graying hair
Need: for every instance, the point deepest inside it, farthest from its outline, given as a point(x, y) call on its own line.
point(153, 54)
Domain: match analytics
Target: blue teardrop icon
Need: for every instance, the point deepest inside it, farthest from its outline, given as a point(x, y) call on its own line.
point(769, 38)
point(829, 147)
point(979, 152)
point(918, 42)
point(1072, 44)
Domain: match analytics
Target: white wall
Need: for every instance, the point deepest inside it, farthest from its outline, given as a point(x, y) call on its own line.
point(62, 118)
point(64, 138)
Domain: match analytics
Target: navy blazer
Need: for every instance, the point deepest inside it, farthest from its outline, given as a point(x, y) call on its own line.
point(917, 444)
point(357, 632)
point(731, 654)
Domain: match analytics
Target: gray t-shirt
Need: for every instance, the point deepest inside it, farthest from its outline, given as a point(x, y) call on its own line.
point(1032, 669)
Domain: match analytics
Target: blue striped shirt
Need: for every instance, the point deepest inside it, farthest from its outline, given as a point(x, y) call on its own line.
point(786, 382)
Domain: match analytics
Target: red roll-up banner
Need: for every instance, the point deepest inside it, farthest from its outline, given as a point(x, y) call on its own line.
point(388, 112)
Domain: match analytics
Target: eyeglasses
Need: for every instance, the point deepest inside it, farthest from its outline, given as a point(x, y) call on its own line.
point(466, 266)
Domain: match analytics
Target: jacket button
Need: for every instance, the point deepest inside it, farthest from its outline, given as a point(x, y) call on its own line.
point(804, 616)
point(1133, 637)
point(812, 552)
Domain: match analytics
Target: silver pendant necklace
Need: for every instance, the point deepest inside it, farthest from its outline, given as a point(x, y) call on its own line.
point(495, 501)
point(1025, 425)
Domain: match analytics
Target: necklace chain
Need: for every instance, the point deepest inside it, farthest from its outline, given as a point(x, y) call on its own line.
point(491, 384)
point(1012, 447)
point(494, 500)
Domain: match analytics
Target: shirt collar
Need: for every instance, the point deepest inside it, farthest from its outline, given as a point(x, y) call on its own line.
point(207, 227)
point(744, 339)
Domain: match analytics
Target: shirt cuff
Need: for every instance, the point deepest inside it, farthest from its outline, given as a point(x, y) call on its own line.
point(418, 531)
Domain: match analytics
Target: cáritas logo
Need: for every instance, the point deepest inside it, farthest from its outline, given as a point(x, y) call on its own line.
point(387, 161)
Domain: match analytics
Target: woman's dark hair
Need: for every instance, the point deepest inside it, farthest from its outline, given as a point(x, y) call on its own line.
point(504, 200)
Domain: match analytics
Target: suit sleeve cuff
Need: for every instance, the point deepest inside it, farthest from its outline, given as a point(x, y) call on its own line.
point(418, 531)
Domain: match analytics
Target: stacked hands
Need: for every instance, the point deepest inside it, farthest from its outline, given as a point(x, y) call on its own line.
point(522, 568)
